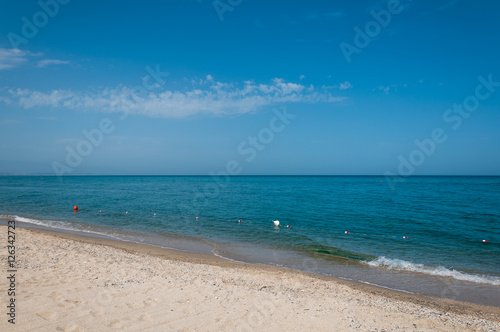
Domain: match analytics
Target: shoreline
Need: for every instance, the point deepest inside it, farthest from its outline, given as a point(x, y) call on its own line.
point(451, 288)
point(274, 282)
point(211, 259)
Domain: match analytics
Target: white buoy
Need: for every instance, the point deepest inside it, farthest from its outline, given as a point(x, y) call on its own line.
point(276, 222)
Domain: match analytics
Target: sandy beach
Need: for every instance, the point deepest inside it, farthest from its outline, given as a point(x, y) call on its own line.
point(66, 282)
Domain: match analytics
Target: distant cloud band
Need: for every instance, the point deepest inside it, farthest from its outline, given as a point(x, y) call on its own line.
point(11, 58)
point(207, 97)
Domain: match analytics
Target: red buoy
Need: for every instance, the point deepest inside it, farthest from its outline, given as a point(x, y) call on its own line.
point(485, 241)
point(75, 208)
point(405, 237)
point(346, 232)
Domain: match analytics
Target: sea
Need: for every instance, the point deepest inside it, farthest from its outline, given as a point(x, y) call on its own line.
point(437, 235)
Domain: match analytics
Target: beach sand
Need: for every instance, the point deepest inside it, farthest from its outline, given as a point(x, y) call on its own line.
point(67, 282)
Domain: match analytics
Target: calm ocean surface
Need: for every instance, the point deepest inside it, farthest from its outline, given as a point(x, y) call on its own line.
point(445, 220)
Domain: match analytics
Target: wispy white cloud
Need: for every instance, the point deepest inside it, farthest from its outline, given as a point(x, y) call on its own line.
point(11, 58)
point(207, 97)
point(387, 88)
point(382, 88)
point(344, 86)
point(6, 100)
point(28, 99)
point(47, 62)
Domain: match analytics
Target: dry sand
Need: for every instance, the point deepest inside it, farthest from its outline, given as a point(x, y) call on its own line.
point(71, 283)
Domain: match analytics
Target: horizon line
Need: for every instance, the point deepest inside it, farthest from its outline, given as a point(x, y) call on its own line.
point(252, 175)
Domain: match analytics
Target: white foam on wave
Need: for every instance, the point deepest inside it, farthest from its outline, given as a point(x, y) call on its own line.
point(66, 226)
point(46, 223)
point(441, 271)
point(26, 220)
point(57, 224)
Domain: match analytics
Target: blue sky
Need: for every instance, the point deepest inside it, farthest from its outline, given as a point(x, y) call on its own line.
point(250, 87)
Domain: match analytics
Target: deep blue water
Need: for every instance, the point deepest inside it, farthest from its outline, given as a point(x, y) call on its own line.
point(445, 220)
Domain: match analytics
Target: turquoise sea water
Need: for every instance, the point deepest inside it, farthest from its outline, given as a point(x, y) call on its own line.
point(424, 235)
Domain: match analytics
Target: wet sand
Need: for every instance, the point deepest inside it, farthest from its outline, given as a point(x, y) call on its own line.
point(68, 282)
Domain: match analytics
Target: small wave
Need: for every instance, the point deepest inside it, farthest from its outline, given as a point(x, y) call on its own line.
point(46, 223)
point(38, 222)
point(58, 224)
point(401, 265)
